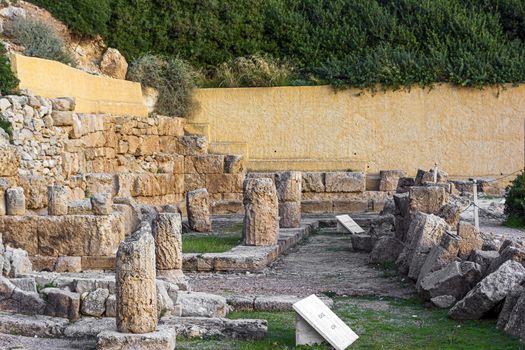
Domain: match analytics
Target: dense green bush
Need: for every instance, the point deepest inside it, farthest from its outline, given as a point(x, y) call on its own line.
point(85, 17)
point(515, 199)
point(361, 43)
point(255, 70)
point(8, 80)
point(39, 40)
point(173, 78)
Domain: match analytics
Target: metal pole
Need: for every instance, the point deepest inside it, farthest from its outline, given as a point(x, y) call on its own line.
point(476, 209)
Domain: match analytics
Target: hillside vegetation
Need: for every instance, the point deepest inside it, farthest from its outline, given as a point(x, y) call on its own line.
point(361, 43)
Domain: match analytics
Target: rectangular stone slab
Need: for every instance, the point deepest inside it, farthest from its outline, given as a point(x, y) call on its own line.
point(347, 222)
point(325, 322)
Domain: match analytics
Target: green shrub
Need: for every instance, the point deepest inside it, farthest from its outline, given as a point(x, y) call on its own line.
point(173, 78)
point(39, 40)
point(515, 199)
point(8, 80)
point(256, 70)
point(84, 17)
point(360, 43)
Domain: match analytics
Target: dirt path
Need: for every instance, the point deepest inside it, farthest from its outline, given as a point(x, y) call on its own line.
point(322, 263)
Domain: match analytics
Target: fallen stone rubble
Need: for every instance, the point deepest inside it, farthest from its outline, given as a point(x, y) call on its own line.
point(454, 265)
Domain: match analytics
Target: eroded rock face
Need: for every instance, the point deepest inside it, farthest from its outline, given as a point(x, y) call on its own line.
point(427, 199)
point(15, 201)
point(94, 304)
point(489, 292)
point(57, 200)
point(470, 239)
point(135, 283)
point(261, 212)
point(167, 230)
point(198, 207)
point(113, 64)
point(389, 179)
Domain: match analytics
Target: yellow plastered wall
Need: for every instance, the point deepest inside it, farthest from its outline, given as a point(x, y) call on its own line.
point(93, 94)
point(467, 132)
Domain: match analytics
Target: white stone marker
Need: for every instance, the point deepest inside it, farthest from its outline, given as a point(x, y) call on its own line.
point(325, 322)
point(349, 224)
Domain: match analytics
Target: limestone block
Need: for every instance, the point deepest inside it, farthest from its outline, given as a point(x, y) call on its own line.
point(151, 185)
point(313, 182)
point(167, 231)
point(57, 200)
point(63, 104)
point(509, 253)
point(440, 255)
point(16, 262)
point(427, 199)
point(15, 201)
point(470, 239)
point(362, 242)
point(425, 232)
point(443, 301)
point(9, 161)
point(489, 292)
point(62, 118)
point(102, 203)
point(234, 164)
point(61, 303)
point(508, 306)
point(427, 177)
point(386, 249)
point(3, 209)
point(68, 264)
point(100, 183)
point(111, 306)
point(114, 64)
point(197, 304)
point(484, 259)
point(94, 303)
point(35, 189)
point(261, 224)
point(389, 179)
point(515, 325)
point(289, 186)
point(171, 126)
point(345, 182)
point(198, 209)
point(204, 164)
point(135, 277)
point(404, 184)
point(224, 183)
point(350, 206)
point(455, 279)
point(316, 206)
point(80, 207)
point(162, 339)
point(450, 213)
point(189, 145)
point(16, 300)
point(290, 214)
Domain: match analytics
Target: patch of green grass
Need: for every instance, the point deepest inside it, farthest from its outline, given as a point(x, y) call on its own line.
point(208, 244)
point(514, 222)
point(381, 324)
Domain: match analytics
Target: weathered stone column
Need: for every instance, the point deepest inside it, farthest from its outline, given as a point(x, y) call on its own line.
point(57, 198)
point(135, 281)
point(261, 226)
point(167, 231)
point(15, 201)
point(289, 193)
point(198, 208)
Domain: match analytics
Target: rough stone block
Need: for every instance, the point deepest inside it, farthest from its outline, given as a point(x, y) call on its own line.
point(290, 214)
point(450, 213)
point(470, 239)
point(80, 207)
point(489, 292)
point(35, 190)
point(197, 304)
point(234, 164)
point(63, 104)
point(62, 303)
point(455, 279)
point(313, 182)
point(427, 199)
point(350, 206)
point(316, 206)
point(94, 303)
point(389, 179)
point(509, 253)
point(224, 183)
point(484, 259)
point(386, 249)
point(20, 232)
point(15, 201)
point(345, 182)
point(440, 255)
point(102, 203)
point(363, 243)
point(68, 264)
point(404, 184)
point(508, 306)
point(198, 209)
point(63, 118)
point(443, 301)
point(261, 223)
point(162, 339)
point(57, 200)
point(289, 186)
point(204, 164)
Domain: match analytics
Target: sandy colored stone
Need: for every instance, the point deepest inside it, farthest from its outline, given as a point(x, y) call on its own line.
point(427, 199)
point(289, 186)
point(290, 214)
point(114, 64)
point(35, 190)
point(102, 204)
point(313, 182)
point(57, 200)
point(15, 201)
point(389, 179)
point(261, 212)
point(167, 230)
point(68, 264)
point(204, 164)
point(198, 209)
point(135, 283)
point(345, 182)
point(470, 239)
point(9, 161)
point(234, 164)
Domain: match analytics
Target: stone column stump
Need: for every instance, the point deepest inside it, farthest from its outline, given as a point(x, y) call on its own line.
point(198, 208)
point(167, 232)
point(261, 225)
point(135, 281)
point(289, 193)
point(15, 201)
point(57, 200)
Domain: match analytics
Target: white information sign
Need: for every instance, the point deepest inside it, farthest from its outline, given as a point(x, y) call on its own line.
point(325, 322)
point(349, 224)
